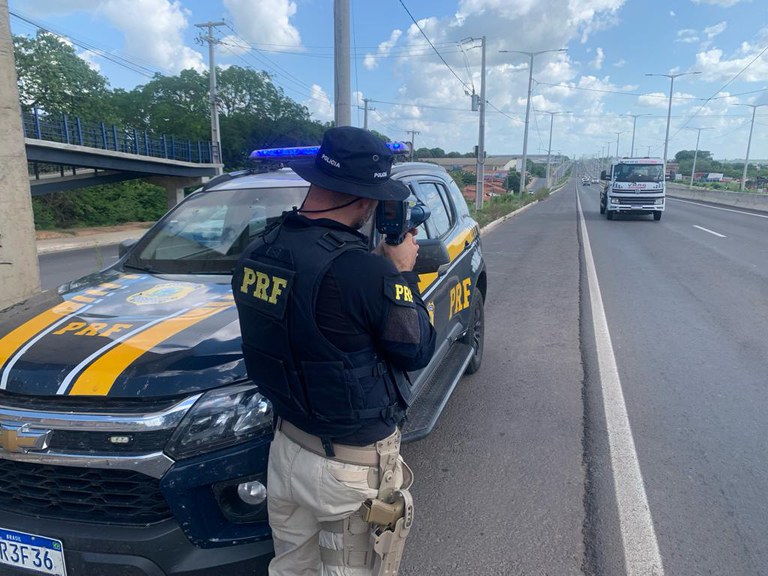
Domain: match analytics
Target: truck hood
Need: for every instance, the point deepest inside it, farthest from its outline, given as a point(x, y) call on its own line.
point(633, 187)
point(123, 335)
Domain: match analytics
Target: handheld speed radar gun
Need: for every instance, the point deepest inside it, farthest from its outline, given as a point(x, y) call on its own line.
point(395, 218)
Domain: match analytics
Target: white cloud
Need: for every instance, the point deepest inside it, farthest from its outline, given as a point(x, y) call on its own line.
point(721, 3)
point(687, 36)
point(672, 13)
point(371, 60)
point(597, 63)
point(152, 31)
point(319, 105)
point(620, 63)
point(89, 57)
point(712, 31)
point(715, 67)
point(426, 82)
point(265, 21)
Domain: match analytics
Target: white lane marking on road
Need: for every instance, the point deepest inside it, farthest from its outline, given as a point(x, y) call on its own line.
point(710, 231)
point(719, 208)
point(641, 548)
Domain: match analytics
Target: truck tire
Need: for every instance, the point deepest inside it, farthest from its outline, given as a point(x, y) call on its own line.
point(657, 215)
point(609, 214)
point(602, 208)
point(475, 336)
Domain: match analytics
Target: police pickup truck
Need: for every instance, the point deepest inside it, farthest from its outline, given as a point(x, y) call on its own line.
point(131, 441)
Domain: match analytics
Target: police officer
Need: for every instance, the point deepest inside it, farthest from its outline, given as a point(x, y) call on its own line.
point(329, 330)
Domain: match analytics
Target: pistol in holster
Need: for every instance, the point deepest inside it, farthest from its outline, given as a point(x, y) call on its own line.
point(391, 522)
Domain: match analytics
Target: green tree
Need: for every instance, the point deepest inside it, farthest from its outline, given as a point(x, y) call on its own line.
point(53, 79)
point(512, 182)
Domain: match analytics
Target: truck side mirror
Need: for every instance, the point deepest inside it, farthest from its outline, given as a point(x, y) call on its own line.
point(603, 175)
point(433, 256)
point(125, 246)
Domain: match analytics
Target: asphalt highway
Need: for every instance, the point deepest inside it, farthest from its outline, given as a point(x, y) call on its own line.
point(527, 472)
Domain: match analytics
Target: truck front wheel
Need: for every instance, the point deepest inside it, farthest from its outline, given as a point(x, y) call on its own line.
point(609, 214)
point(602, 208)
point(657, 215)
point(475, 336)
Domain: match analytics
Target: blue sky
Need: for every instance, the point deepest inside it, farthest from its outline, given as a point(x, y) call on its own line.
point(594, 87)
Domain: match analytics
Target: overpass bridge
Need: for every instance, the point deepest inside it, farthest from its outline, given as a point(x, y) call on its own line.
point(90, 154)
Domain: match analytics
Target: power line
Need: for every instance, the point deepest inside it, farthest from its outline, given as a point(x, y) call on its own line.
point(433, 46)
point(739, 73)
point(115, 59)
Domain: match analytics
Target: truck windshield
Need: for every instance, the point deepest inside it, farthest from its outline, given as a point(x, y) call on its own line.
point(207, 232)
point(638, 172)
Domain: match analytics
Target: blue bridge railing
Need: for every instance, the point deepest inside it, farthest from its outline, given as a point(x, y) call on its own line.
point(72, 130)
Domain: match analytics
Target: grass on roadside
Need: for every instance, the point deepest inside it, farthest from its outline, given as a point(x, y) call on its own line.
point(500, 206)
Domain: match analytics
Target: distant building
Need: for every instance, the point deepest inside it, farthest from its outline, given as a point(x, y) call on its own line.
point(714, 177)
point(492, 163)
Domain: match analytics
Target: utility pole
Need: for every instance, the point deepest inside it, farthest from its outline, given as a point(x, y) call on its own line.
point(341, 56)
point(413, 141)
point(617, 144)
point(749, 144)
point(549, 149)
point(19, 272)
point(365, 113)
point(215, 131)
point(531, 55)
point(695, 154)
point(480, 167)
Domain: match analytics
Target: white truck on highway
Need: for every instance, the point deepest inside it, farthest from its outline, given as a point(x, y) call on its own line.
point(633, 186)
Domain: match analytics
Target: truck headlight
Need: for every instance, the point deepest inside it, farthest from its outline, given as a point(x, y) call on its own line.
point(659, 201)
point(221, 418)
point(614, 201)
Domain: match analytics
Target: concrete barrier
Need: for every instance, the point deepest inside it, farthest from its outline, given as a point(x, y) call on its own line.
point(738, 199)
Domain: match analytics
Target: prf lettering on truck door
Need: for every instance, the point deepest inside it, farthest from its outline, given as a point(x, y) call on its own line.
point(460, 294)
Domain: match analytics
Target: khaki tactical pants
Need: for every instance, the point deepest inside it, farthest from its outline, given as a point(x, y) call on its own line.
point(314, 512)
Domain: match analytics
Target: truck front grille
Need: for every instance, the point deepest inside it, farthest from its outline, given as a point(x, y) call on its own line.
point(88, 494)
point(637, 200)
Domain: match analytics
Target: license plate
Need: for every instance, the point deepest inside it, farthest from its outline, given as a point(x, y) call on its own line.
point(39, 554)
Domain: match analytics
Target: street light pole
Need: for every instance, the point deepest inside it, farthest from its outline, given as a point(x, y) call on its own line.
point(669, 110)
point(617, 144)
point(531, 55)
point(749, 144)
point(634, 125)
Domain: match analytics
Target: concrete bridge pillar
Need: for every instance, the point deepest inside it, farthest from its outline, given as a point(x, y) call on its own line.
point(19, 272)
point(174, 186)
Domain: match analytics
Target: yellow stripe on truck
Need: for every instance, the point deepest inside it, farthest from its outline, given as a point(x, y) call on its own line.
point(15, 339)
point(99, 377)
point(455, 249)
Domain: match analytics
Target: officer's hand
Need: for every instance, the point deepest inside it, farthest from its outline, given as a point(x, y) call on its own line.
point(403, 256)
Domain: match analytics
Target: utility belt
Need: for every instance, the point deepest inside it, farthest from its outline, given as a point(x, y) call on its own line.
point(360, 455)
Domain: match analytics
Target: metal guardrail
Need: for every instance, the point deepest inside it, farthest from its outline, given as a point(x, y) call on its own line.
point(69, 130)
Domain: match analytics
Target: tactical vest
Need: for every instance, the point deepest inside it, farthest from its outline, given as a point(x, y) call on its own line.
point(310, 382)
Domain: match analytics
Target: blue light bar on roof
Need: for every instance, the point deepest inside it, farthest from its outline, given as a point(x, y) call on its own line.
point(296, 152)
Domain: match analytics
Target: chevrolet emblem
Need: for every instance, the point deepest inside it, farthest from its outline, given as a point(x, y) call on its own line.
point(21, 438)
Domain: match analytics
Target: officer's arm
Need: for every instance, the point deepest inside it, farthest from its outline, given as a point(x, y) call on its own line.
point(405, 335)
